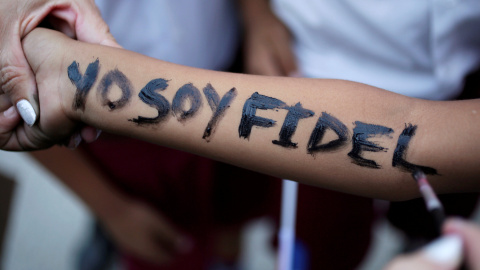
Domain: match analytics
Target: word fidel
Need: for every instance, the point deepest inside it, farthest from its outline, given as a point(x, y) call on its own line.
point(189, 94)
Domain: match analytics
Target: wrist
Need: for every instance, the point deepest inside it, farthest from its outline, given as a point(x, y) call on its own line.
point(71, 72)
point(48, 54)
point(253, 11)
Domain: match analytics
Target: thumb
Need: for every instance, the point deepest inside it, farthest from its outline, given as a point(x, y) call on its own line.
point(92, 28)
point(443, 253)
point(470, 234)
point(446, 251)
point(83, 22)
point(17, 80)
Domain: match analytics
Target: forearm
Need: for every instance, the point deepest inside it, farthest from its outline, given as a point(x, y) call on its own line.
point(360, 114)
point(267, 41)
point(86, 181)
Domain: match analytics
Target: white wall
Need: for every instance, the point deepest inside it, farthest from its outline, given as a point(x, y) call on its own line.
point(46, 222)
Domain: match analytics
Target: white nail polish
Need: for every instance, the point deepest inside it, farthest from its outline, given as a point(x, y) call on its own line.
point(26, 112)
point(447, 250)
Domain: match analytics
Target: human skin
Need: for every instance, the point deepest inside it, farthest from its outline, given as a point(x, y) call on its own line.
point(444, 140)
point(267, 46)
point(78, 19)
point(469, 232)
point(448, 255)
point(134, 226)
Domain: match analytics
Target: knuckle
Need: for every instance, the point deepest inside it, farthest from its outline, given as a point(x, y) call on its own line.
point(10, 77)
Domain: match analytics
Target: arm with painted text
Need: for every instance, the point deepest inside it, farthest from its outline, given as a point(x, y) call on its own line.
point(335, 134)
point(78, 19)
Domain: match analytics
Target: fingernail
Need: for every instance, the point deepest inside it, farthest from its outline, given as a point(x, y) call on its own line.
point(10, 113)
point(26, 112)
point(447, 250)
point(75, 141)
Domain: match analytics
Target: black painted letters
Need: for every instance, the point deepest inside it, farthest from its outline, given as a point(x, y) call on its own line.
point(186, 92)
point(83, 83)
point(218, 107)
point(115, 77)
point(249, 119)
point(327, 121)
point(188, 101)
point(401, 151)
point(361, 133)
point(295, 113)
point(155, 100)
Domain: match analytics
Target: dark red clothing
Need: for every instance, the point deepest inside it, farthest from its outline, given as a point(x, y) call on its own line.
point(335, 227)
point(198, 195)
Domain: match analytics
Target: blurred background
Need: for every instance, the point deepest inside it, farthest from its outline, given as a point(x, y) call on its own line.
point(44, 225)
point(138, 200)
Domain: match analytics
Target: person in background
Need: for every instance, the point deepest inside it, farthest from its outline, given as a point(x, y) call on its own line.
point(161, 208)
point(47, 51)
point(423, 50)
point(14, 102)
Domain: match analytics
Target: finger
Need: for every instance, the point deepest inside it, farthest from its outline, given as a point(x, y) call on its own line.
point(17, 80)
point(167, 236)
point(74, 141)
point(61, 25)
point(171, 240)
point(269, 67)
point(87, 133)
point(82, 20)
point(470, 234)
point(90, 134)
point(9, 119)
point(443, 253)
point(446, 251)
point(4, 102)
point(285, 57)
point(262, 62)
point(411, 262)
point(92, 28)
